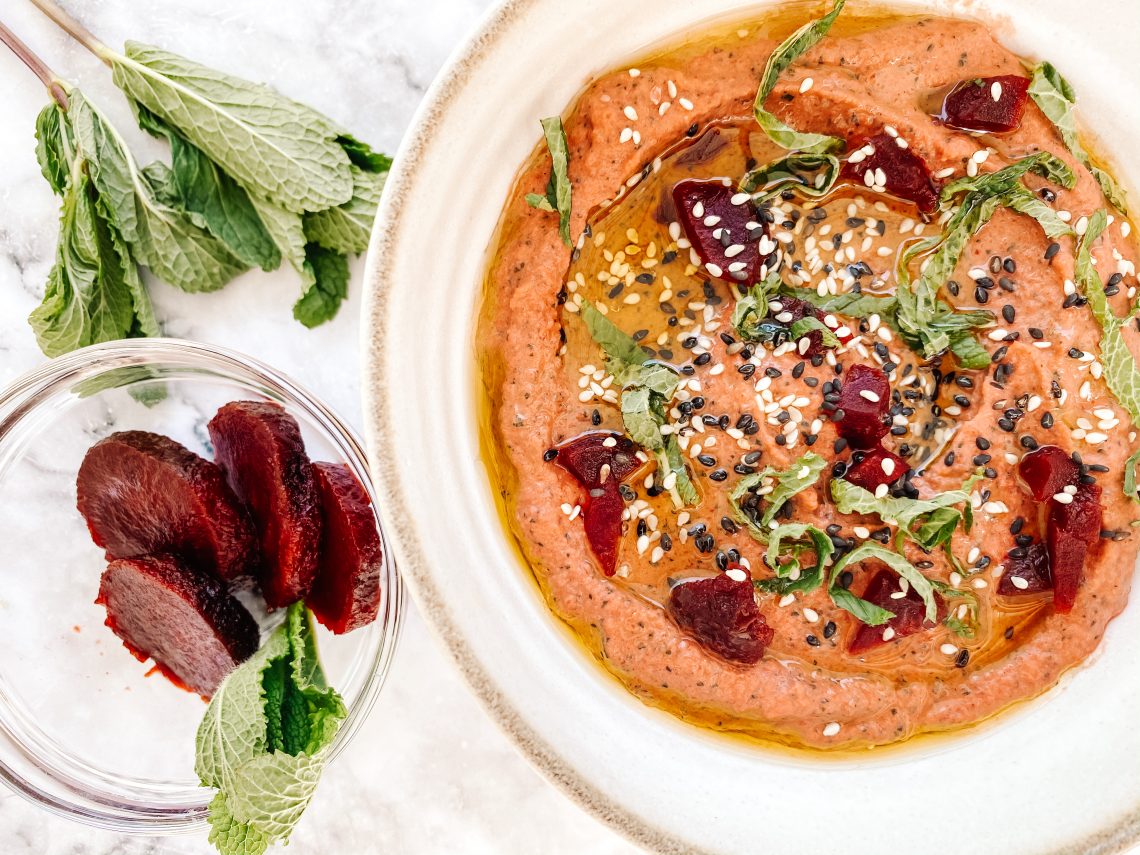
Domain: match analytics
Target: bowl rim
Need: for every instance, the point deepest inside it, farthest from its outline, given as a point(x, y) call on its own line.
point(379, 281)
point(20, 399)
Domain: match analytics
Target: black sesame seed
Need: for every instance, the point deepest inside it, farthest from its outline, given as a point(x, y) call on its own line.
point(812, 640)
point(718, 475)
point(1008, 312)
point(1052, 250)
point(549, 454)
point(963, 658)
point(829, 629)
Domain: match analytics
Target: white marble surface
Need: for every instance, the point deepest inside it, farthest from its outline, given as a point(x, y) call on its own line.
point(429, 772)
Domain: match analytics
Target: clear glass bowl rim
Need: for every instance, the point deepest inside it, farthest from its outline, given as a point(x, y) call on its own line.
point(22, 397)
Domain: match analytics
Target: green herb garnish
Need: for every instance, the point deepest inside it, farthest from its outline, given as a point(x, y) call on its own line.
point(810, 175)
point(265, 739)
point(869, 613)
point(802, 474)
point(557, 196)
point(793, 47)
point(786, 544)
point(1130, 475)
point(648, 387)
point(1053, 94)
point(1120, 371)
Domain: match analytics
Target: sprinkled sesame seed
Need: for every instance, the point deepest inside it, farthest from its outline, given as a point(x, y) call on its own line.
point(831, 728)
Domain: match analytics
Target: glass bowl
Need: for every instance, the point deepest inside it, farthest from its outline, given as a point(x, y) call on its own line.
point(85, 730)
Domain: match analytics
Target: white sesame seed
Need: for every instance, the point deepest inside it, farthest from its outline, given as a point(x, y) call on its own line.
point(786, 600)
point(806, 85)
point(973, 555)
point(948, 649)
point(630, 113)
point(995, 90)
point(868, 395)
point(1063, 498)
point(861, 532)
point(626, 135)
point(881, 491)
point(686, 103)
point(714, 269)
point(736, 574)
point(888, 466)
point(831, 728)
point(888, 633)
point(1018, 582)
point(734, 250)
point(811, 615)
point(739, 198)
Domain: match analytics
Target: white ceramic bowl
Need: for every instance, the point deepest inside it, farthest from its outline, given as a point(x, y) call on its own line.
point(1059, 775)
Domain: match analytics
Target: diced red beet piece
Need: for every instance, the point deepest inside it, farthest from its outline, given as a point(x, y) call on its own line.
point(584, 457)
point(346, 591)
point(906, 174)
point(909, 612)
point(259, 447)
point(1030, 568)
point(870, 472)
point(714, 223)
point(992, 104)
point(142, 493)
point(1071, 530)
point(1047, 471)
point(721, 614)
point(184, 620)
point(865, 399)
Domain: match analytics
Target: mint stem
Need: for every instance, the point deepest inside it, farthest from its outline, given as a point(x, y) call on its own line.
point(55, 87)
point(74, 29)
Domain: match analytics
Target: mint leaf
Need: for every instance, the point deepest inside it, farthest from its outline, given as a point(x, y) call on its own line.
point(328, 289)
point(790, 575)
point(785, 484)
point(1120, 371)
point(810, 324)
point(810, 175)
point(51, 153)
point(751, 310)
point(265, 738)
point(362, 154)
point(163, 238)
point(347, 228)
point(1053, 94)
point(1130, 475)
point(271, 145)
point(220, 204)
point(617, 344)
point(866, 611)
point(793, 47)
point(557, 196)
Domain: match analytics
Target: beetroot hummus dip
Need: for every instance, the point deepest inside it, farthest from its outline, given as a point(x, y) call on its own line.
point(808, 360)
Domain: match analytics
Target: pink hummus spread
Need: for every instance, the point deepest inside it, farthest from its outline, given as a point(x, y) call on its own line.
point(659, 563)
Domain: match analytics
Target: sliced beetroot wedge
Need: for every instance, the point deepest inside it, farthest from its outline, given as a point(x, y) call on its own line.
point(721, 614)
point(724, 229)
point(599, 462)
point(184, 620)
point(142, 493)
point(882, 164)
point(991, 104)
point(584, 456)
point(1071, 530)
point(259, 447)
point(346, 592)
point(872, 469)
point(864, 399)
point(1048, 471)
point(909, 612)
point(1026, 572)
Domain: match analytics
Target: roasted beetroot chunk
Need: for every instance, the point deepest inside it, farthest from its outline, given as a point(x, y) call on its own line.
point(875, 468)
point(1047, 471)
point(864, 398)
point(346, 592)
point(724, 229)
point(599, 462)
point(1071, 531)
point(909, 613)
point(259, 447)
point(184, 620)
point(992, 104)
point(142, 493)
point(1027, 572)
point(882, 164)
point(721, 614)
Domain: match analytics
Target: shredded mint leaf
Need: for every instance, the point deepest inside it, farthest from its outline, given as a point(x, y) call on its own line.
point(557, 196)
point(750, 311)
point(1120, 371)
point(215, 201)
point(790, 574)
point(362, 155)
point(919, 583)
point(657, 377)
point(271, 145)
point(673, 463)
point(852, 304)
point(617, 344)
point(1053, 94)
point(1130, 475)
point(793, 47)
point(810, 175)
point(802, 474)
point(809, 324)
point(265, 738)
point(963, 627)
point(322, 298)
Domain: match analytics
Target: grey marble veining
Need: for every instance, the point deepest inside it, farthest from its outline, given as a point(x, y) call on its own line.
point(429, 772)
